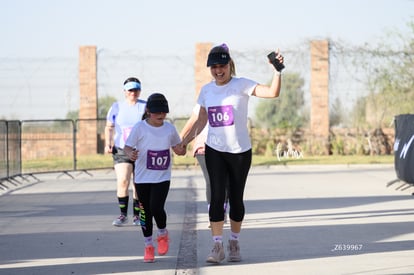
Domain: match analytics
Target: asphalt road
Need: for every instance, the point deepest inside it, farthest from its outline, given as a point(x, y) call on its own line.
point(299, 220)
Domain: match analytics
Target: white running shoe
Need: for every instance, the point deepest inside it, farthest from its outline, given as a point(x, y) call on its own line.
point(217, 254)
point(234, 251)
point(122, 219)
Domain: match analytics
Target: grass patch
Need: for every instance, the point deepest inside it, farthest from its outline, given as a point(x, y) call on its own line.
point(88, 162)
point(326, 160)
point(100, 161)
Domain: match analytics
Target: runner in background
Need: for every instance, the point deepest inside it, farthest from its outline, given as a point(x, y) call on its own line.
point(121, 117)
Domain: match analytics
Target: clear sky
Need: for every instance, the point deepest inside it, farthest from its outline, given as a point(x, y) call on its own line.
point(50, 30)
point(38, 28)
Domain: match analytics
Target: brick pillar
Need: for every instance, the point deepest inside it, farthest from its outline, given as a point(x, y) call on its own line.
point(87, 126)
point(319, 87)
point(201, 71)
point(87, 82)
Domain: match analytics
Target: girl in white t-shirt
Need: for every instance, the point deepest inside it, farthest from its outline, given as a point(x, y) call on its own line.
point(228, 154)
point(149, 145)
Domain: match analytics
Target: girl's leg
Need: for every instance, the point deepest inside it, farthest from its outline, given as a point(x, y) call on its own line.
point(159, 195)
point(136, 207)
point(145, 193)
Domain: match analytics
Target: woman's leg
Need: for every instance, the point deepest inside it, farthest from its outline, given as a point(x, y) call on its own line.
point(202, 162)
point(123, 172)
point(239, 168)
point(217, 171)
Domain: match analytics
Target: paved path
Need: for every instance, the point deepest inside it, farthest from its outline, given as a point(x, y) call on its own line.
point(299, 220)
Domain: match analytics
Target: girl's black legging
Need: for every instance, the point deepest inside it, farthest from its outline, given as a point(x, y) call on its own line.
point(235, 168)
point(152, 197)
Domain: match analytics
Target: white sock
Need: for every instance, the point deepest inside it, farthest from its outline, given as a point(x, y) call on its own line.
point(218, 239)
point(234, 236)
point(148, 241)
point(162, 232)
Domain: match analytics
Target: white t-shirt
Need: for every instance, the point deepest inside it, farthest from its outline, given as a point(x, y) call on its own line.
point(153, 164)
point(227, 109)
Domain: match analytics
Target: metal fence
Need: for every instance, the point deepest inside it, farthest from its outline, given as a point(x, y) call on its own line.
point(10, 132)
point(30, 147)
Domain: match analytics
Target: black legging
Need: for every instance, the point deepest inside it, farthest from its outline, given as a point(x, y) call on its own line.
point(235, 167)
point(152, 197)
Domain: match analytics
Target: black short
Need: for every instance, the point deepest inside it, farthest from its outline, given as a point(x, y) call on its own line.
point(119, 156)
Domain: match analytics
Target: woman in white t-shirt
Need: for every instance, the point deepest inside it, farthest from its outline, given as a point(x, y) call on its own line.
point(228, 154)
point(199, 154)
point(149, 145)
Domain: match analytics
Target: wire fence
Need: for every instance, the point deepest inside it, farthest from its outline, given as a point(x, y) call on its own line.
point(48, 88)
point(39, 93)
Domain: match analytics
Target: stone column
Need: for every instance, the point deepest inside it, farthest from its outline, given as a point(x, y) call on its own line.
point(88, 105)
point(319, 88)
point(201, 71)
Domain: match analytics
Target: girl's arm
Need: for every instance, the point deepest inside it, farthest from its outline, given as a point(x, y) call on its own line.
point(131, 152)
point(179, 150)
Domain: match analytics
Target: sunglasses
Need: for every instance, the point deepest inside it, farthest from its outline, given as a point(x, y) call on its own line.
point(134, 91)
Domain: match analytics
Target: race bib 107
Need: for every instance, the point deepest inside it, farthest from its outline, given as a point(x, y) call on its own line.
point(158, 160)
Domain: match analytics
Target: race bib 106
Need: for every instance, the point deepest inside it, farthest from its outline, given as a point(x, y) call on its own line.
point(219, 116)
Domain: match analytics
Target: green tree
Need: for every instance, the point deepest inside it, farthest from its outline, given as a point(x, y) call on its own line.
point(358, 115)
point(73, 115)
point(391, 78)
point(285, 112)
point(336, 113)
point(104, 103)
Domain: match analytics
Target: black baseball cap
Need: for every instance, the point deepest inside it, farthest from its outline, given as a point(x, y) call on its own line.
point(218, 55)
point(157, 103)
